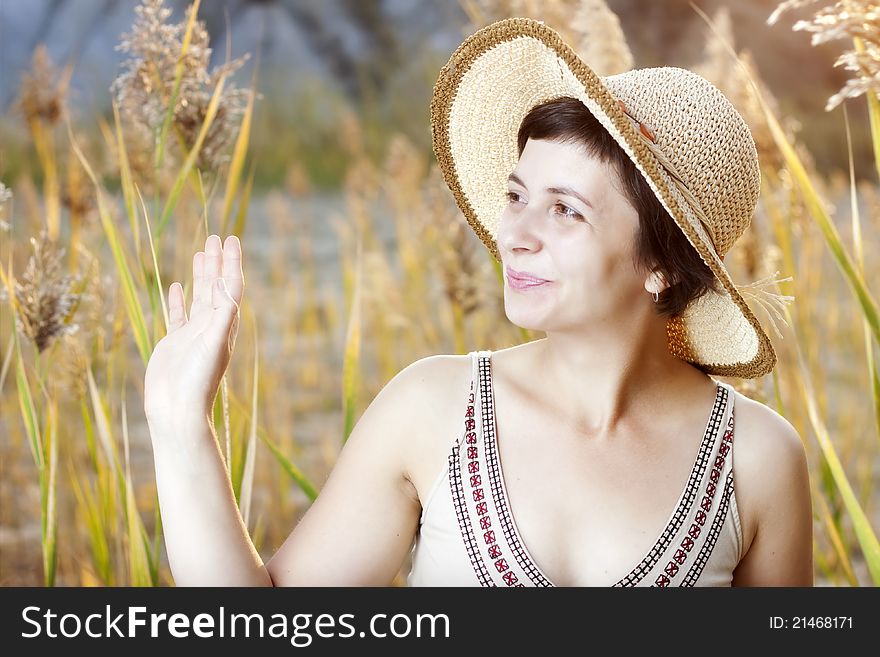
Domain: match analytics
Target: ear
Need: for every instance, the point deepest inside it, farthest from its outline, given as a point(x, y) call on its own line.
point(656, 282)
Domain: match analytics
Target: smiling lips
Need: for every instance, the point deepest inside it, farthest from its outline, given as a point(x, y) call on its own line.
point(521, 280)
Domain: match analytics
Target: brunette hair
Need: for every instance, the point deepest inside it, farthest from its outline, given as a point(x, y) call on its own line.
point(659, 243)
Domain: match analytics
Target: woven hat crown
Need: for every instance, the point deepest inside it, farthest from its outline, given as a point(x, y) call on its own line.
point(703, 137)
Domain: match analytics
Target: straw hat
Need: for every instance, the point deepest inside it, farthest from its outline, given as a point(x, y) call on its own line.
point(686, 138)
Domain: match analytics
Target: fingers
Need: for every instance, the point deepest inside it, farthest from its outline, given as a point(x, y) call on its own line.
point(213, 266)
point(232, 271)
point(221, 297)
point(176, 308)
point(198, 275)
point(217, 260)
point(224, 323)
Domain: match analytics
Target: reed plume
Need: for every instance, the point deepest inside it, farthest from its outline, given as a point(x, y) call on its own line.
point(851, 20)
point(144, 89)
point(45, 297)
point(459, 257)
point(43, 90)
point(592, 29)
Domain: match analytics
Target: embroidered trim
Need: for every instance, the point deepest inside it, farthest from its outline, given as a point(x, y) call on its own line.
point(461, 510)
point(524, 565)
point(487, 404)
point(493, 547)
point(681, 554)
point(682, 511)
point(712, 537)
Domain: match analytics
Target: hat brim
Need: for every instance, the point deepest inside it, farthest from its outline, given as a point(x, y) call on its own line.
point(482, 94)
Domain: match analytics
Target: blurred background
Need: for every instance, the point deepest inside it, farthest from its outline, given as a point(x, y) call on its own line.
point(128, 132)
point(380, 58)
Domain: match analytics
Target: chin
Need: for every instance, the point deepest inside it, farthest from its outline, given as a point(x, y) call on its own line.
point(526, 316)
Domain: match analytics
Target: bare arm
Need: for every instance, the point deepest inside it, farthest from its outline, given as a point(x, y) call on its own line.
point(357, 532)
point(205, 536)
point(773, 479)
point(361, 526)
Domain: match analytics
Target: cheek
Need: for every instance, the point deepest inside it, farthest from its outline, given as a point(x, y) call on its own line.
point(587, 263)
point(584, 259)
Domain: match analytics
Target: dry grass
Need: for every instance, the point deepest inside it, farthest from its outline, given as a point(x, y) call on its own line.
point(76, 466)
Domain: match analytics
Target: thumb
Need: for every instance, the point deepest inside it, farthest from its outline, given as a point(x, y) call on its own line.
point(225, 309)
point(221, 297)
point(223, 303)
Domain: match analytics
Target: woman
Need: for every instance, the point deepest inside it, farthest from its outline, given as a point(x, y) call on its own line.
point(611, 203)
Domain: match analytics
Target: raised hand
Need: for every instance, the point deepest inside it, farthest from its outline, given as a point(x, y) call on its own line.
point(186, 366)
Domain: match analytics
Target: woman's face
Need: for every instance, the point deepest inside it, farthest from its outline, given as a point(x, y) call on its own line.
point(565, 240)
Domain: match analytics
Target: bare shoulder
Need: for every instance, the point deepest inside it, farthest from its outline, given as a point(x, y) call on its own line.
point(771, 480)
point(428, 384)
point(761, 432)
point(361, 526)
point(765, 447)
point(428, 399)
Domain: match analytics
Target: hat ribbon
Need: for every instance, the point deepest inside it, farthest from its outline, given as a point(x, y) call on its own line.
point(648, 138)
point(773, 304)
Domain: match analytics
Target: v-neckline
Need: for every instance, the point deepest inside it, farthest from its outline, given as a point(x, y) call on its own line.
point(679, 510)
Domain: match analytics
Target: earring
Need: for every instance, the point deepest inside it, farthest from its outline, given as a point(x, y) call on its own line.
point(656, 296)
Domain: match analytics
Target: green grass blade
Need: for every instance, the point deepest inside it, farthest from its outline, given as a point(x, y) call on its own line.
point(89, 431)
point(834, 536)
point(244, 202)
point(7, 358)
point(157, 537)
point(48, 506)
point(247, 484)
point(125, 178)
point(98, 544)
point(858, 249)
point(138, 541)
point(873, 111)
point(28, 410)
point(129, 292)
point(294, 472)
point(156, 273)
point(25, 399)
point(816, 207)
point(102, 423)
point(351, 357)
point(236, 166)
point(864, 533)
point(175, 90)
point(811, 197)
point(190, 161)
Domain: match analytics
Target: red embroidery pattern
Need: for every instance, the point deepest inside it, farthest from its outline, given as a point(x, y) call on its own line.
point(698, 473)
point(494, 539)
point(687, 544)
point(509, 536)
point(712, 536)
point(476, 482)
point(456, 484)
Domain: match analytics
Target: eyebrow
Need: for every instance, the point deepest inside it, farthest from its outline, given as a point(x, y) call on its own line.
point(567, 191)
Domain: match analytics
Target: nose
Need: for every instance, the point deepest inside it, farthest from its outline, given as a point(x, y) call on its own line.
point(518, 232)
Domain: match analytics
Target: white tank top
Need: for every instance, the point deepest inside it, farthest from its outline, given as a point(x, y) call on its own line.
point(467, 535)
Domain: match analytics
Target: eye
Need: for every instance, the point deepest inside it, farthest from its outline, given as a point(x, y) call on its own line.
point(564, 211)
point(513, 197)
